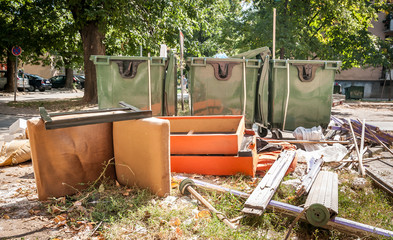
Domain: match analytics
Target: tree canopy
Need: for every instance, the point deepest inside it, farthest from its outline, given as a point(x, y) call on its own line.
point(75, 29)
point(323, 29)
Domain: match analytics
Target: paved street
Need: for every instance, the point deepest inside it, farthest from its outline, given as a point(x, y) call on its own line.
point(36, 96)
point(9, 116)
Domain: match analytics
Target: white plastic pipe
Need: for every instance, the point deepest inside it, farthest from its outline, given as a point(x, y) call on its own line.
point(244, 87)
point(287, 99)
point(149, 77)
point(274, 33)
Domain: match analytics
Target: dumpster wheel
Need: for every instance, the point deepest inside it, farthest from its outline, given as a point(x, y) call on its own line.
point(262, 131)
point(276, 133)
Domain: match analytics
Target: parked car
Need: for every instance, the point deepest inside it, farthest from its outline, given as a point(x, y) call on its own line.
point(23, 81)
point(81, 80)
point(37, 82)
point(60, 81)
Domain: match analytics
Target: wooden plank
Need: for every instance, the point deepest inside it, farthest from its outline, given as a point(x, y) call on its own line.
point(263, 193)
point(304, 141)
point(381, 171)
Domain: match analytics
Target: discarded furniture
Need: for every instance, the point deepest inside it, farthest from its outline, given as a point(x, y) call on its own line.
point(186, 187)
point(263, 193)
point(142, 158)
point(213, 145)
point(206, 134)
point(322, 201)
point(66, 160)
point(71, 119)
point(76, 150)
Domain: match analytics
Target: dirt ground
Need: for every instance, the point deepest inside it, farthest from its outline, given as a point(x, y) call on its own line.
point(22, 216)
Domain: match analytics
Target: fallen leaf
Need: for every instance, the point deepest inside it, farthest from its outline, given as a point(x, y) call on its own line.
point(204, 214)
point(62, 200)
point(174, 222)
point(174, 185)
point(60, 220)
point(101, 188)
point(179, 231)
point(5, 216)
point(34, 212)
point(55, 209)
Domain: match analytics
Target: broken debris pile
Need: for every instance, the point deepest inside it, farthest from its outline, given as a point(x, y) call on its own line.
point(16, 147)
point(271, 158)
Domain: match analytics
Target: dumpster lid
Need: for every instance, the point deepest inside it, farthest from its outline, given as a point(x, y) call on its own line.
point(263, 51)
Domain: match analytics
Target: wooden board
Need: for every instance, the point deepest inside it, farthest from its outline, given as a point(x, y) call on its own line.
point(263, 193)
point(381, 171)
point(206, 134)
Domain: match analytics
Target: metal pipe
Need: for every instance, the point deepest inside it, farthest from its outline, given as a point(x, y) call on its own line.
point(291, 210)
point(287, 100)
point(304, 141)
point(354, 139)
point(149, 76)
point(380, 142)
point(194, 193)
point(244, 87)
point(16, 77)
point(274, 33)
point(361, 167)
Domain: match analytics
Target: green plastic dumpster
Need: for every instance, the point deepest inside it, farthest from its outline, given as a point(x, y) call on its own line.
point(300, 93)
point(128, 79)
point(226, 86)
point(354, 92)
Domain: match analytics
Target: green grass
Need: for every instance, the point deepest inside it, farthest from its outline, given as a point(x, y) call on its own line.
point(137, 214)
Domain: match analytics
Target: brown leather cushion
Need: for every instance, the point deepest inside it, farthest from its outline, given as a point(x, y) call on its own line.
point(64, 159)
point(142, 154)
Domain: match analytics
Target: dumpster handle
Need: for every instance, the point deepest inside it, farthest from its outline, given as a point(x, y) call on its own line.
point(244, 87)
point(278, 66)
point(198, 64)
point(253, 65)
point(287, 99)
point(160, 63)
point(333, 67)
point(100, 60)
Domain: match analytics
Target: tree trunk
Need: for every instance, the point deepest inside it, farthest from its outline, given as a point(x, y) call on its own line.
point(11, 72)
point(69, 77)
point(92, 40)
point(282, 53)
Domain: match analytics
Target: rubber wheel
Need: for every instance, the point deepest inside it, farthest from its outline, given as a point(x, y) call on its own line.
point(42, 89)
point(184, 184)
point(31, 89)
point(318, 215)
point(262, 131)
point(276, 134)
